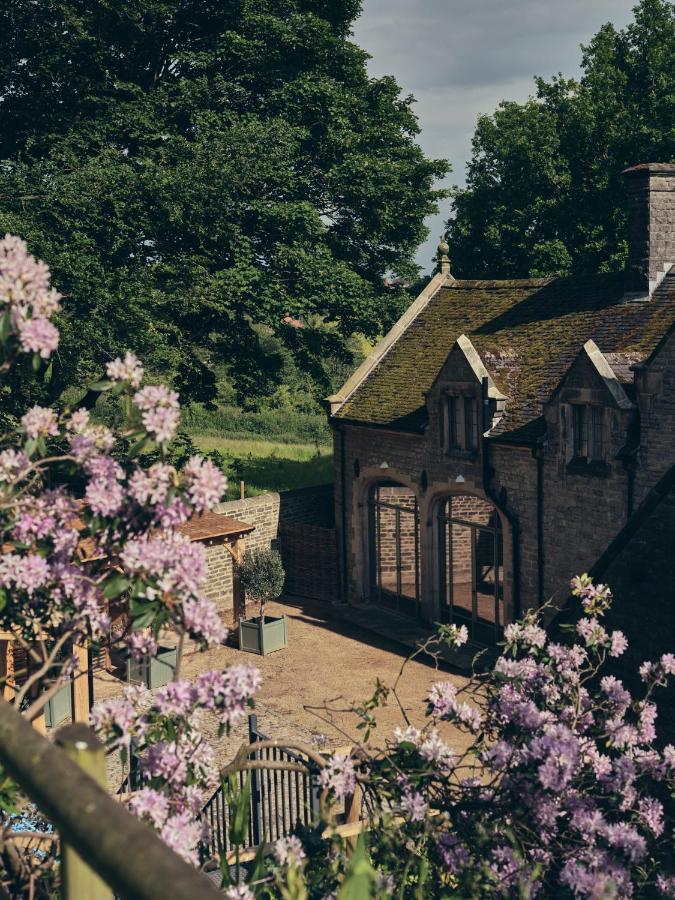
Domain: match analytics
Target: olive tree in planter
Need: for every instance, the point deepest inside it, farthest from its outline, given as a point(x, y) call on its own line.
point(262, 576)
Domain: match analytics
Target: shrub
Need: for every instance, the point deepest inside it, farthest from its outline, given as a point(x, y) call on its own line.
point(262, 577)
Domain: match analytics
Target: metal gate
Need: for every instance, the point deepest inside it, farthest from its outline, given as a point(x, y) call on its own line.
point(280, 800)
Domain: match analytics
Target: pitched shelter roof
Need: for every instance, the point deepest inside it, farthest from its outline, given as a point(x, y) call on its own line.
point(527, 333)
point(199, 528)
point(212, 525)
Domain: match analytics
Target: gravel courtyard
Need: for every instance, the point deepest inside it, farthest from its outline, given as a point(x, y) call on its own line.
point(330, 660)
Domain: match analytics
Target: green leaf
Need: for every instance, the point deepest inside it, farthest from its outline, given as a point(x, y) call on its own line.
point(36, 362)
point(143, 620)
point(360, 877)
point(4, 326)
point(116, 585)
point(239, 804)
point(101, 385)
point(139, 446)
point(3, 598)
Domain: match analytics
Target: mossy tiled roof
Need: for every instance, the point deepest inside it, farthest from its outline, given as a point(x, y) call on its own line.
point(527, 333)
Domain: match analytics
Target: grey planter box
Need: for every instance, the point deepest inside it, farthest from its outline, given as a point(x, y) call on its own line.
point(59, 709)
point(153, 672)
point(263, 639)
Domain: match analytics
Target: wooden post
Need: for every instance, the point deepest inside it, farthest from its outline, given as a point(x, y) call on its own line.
point(81, 698)
point(83, 747)
point(242, 490)
point(7, 668)
point(353, 811)
point(238, 594)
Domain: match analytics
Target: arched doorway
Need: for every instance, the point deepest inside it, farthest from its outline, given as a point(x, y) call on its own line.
point(472, 566)
point(394, 547)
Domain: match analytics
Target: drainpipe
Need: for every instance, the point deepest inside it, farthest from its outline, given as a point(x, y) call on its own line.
point(538, 454)
point(343, 520)
point(630, 489)
point(487, 488)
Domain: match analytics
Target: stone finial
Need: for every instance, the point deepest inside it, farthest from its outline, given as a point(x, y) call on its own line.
point(442, 256)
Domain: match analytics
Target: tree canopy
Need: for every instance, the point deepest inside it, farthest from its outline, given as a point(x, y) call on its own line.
point(196, 170)
point(544, 192)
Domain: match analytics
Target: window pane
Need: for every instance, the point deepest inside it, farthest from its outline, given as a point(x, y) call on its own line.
point(470, 423)
point(579, 424)
point(597, 418)
point(452, 421)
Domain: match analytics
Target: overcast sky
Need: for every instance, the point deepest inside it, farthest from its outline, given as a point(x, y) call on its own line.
point(459, 58)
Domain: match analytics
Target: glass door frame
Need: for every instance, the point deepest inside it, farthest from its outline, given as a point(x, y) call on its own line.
point(401, 604)
point(448, 611)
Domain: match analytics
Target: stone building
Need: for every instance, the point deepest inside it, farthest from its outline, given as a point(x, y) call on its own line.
point(503, 433)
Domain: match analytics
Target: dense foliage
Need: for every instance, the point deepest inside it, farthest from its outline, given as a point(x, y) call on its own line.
point(544, 192)
point(219, 169)
point(84, 528)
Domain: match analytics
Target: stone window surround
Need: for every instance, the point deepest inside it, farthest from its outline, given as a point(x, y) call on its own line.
point(457, 445)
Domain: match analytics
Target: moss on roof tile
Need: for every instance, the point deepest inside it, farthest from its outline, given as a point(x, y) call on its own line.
point(527, 333)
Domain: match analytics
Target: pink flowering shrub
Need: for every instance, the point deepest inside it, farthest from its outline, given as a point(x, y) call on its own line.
point(563, 791)
point(85, 524)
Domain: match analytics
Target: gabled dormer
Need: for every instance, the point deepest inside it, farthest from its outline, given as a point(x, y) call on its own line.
point(593, 412)
point(463, 403)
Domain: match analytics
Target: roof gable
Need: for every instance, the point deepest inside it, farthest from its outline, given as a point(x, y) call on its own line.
point(591, 362)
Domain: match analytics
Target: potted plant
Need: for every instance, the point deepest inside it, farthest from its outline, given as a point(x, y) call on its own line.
point(262, 577)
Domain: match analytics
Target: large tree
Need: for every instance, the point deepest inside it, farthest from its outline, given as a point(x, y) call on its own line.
point(196, 169)
point(544, 191)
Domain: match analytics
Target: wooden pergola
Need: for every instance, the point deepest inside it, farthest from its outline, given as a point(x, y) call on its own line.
point(211, 527)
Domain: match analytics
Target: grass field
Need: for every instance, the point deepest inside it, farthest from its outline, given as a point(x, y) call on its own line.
point(270, 465)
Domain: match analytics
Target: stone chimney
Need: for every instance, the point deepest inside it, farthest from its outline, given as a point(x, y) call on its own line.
point(651, 226)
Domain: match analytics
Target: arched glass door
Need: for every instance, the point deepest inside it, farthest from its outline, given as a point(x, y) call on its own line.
point(472, 567)
point(394, 536)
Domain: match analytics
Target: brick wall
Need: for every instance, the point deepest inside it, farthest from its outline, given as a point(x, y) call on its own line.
point(651, 223)
point(296, 523)
point(656, 399)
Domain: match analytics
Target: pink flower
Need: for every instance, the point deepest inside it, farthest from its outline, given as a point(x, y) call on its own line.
point(104, 497)
point(618, 643)
point(205, 482)
point(160, 411)
point(413, 805)
point(129, 369)
point(177, 698)
point(238, 892)
point(433, 749)
point(228, 692)
point(288, 851)
point(151, 486)
point(38, 336)
point(201, 619)
point(151, 804)
point(13, 464)
point(339, 776)
point(651, 813)
point(668, 663)
point(141, 644)
point(26, 573)
point(182, 833)
point(40, 422)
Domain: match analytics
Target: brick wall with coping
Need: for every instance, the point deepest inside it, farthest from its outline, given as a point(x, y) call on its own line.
point(311, 510)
